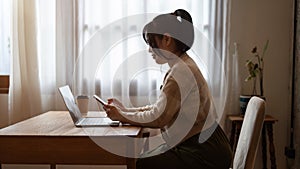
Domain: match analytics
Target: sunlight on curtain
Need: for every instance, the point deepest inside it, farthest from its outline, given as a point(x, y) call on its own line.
point(56, 49)
point(114, 59)
point(24, 96)
point(46, 45)
point(46, 52)
point(5, 39)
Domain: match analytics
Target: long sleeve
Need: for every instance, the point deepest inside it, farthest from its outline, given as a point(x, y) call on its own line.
point(163, 111)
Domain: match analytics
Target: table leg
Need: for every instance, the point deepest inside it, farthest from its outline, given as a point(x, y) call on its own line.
point(131, 163)
point(133, 147)
point(232, 135)
point(52, 166)
point(264, 150)
point(146, 136)
point(237, 135)
point(271, 146)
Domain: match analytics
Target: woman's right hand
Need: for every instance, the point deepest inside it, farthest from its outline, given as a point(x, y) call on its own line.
point(117, 103)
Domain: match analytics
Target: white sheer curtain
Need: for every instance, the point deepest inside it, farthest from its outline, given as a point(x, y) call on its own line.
point(56, 35)
point(25, 96)
point(226, 80)
point(5, 39)
point(42, 55)
point(113, 59)
point(96, 47)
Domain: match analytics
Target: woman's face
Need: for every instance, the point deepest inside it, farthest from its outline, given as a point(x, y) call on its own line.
point(158, 59)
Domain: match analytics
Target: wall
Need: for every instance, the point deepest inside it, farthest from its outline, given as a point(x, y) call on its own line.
point(252, 23)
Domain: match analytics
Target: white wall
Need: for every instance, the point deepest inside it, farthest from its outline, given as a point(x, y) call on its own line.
point(252, 23)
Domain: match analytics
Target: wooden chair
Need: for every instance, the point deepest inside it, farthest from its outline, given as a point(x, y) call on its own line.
point(247, 145)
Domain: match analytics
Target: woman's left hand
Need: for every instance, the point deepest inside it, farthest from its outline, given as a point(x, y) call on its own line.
point(113, 112)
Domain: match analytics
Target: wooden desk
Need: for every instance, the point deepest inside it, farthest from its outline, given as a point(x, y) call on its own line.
point(237, 121)
point(51, 138)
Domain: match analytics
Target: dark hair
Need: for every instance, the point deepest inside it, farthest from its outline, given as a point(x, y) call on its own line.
point(178, 24)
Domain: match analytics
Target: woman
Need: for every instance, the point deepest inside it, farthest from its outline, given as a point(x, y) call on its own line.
point(184, 110)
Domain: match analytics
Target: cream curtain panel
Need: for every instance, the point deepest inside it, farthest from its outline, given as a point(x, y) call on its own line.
point(5, 37)
point(25, 96)
point(42, 56)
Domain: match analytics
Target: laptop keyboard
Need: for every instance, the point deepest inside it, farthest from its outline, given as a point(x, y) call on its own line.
point(90, 121)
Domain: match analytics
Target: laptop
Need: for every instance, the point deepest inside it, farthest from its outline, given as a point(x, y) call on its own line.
point(76, 115)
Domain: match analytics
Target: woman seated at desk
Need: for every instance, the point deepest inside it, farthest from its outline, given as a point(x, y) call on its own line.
point(184, 110)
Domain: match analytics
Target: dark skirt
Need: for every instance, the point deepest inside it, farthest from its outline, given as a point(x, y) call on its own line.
point(214, 153)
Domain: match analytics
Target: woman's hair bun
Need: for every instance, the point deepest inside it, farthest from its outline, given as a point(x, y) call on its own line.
point(183, 14)
point(178, 24)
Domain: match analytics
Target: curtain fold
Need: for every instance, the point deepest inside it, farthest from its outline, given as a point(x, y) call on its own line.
point(25, 87)
point(57, 45)
point(65, 41)
point(5, 39)
point(222, 66)
point(231, 68)
point(43, 50)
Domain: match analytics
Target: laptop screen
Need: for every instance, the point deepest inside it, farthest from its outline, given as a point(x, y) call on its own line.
point(69, 100)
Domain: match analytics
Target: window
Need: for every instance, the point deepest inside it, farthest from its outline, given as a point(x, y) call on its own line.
point(5, 39)
point(112, 46)
point(5, 47)
point(46, 42)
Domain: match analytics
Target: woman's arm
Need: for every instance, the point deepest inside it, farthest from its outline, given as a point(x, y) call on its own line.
point(120, 105)
point(158, 116)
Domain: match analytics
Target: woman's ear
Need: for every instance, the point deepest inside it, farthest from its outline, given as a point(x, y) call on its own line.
point(167, 39)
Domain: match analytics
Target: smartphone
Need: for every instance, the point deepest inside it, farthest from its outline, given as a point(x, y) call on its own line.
point(100, 100)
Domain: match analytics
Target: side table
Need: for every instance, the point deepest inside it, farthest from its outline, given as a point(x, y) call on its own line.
point(237, 121)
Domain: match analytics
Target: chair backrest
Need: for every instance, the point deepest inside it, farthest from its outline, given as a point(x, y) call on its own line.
point(247, 145)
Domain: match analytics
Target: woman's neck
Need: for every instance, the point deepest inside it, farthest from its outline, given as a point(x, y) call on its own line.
point(172, 62)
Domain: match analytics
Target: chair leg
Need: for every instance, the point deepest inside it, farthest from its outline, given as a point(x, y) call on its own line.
point(264, 145)
point(271, 146)
point(52, 166)
point(232, 135)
